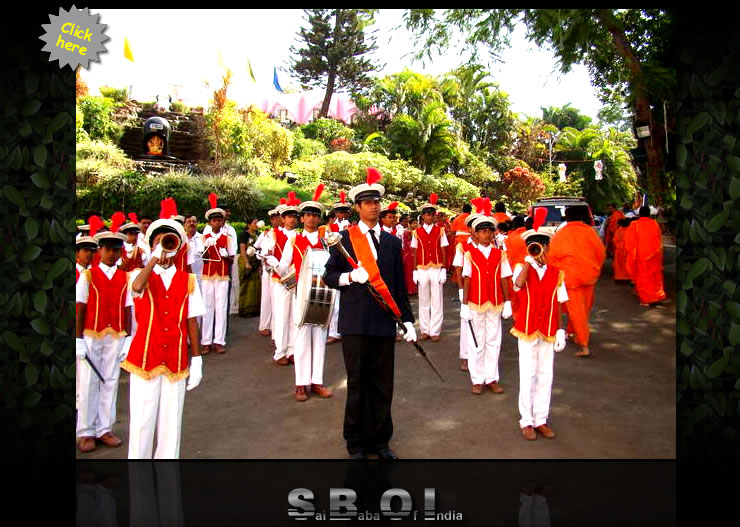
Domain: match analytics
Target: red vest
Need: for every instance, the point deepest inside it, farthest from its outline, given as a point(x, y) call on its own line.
point(300, 247)
point(280, 239)
point(106, 304)
point(334, 227)
point(429, 252)
point(135, 262)
point(485, 291)
point(160, 346)
point(181, 258)
point(537, 316)
point(213, 270)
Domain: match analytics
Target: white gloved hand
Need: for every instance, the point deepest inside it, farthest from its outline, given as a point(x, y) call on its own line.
point(506, 313)
point(272, 261)
point(560, 340)
point(223, 252)
point(442, 275)
point(123, 348)
point(415, 277)
point(80, 348)
point(210, 242)
point(465, 313)
point(251, 251)
point(460, 294)
point(359, 275)
point(196, 372)
point(410, 334)
point(530, 260)
point(159, 253)
point(260, 224)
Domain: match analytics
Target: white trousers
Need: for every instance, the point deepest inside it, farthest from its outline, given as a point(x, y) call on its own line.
point(483, 364)
point(536, 360)
point(430, 301)
point(96, 409)
point(333, 331)
point(266, 302)
point(465, 341)
point(234, 295)
point(215, 297)
point(284, 328)
point(310, 347)
point(155, 403)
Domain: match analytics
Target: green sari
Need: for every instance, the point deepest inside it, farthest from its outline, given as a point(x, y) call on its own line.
point(250, 285)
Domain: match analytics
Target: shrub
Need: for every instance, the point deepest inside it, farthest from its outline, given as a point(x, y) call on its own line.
point(522, 185)
point(97, 120)
point(326, 130)
point(179, 107)
point(305, 148)
point(118, 96)
point(98, 160)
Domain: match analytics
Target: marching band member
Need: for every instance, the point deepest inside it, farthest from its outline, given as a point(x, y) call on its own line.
point(310, 340)
point(541, 290)
point(388, 218)
point(266, 300)
point(168, 302)
point(430, 243)
point(85, 247)
point(282, 306)
point(341, 222)
point(134, 252)
point(485, 302)
point(103, 329)
point(221, 249)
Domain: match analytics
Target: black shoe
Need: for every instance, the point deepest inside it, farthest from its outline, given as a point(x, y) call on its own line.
point(386, 453)
point(360, 454)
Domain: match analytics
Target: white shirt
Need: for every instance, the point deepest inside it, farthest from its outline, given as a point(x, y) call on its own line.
point(343, 224)
point(562, 291)
point(364, 229)
point(230, 241)
point(486, 250)
point(82, 290)
point(287, 258)
point(428, 228)
point(399, 231)
point(389, 230)
point(196, 306)
point(195, 249)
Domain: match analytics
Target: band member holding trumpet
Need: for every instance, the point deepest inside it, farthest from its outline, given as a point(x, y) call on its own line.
point(134, 252)
point(284, 329)
point(103, 337)
point(368, 332)
point(541, 290)
point(168, 302)
point(310, 339)
point(219, 253)
point(485, 302)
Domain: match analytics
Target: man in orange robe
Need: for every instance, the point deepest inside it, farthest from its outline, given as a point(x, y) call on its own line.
point(619, 263)
point(516, 251)
point(611, 227)
point(578, 251)
point(460, 230)
point(644, 246)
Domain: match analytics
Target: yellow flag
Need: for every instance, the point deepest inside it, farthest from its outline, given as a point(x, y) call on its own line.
point(127, 50)
point(249, 70)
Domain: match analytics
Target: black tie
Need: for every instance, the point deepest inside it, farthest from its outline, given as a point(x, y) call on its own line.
point(375, 241)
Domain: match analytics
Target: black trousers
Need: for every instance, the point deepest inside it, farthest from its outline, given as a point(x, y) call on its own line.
point(367, 416)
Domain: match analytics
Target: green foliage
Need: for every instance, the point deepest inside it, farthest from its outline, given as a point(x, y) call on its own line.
point(521, 185)
point(119, 96)
point(326, 130)
point(565, 117)
point(97, 120)
point(306, 148)
point(406, 93)
point(179, 107)
point(99, 160)
point(37, 313)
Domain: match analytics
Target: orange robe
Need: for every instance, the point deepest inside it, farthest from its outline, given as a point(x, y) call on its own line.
point(644, 246)
point(501, 217)
point(516, 251)
point(619, 263)
point(578, 251)
point(611, 230)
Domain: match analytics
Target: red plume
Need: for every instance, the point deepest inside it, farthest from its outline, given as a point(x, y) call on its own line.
point(433, 198)
point(487, 206)
point(167, 209)
point(540, 213)
point(173, 207)
point(95, 224)
point(132, 217)
point(283, 201)
point(213, 200)
point(117, 220)
point(393, 205)
point(342, 197)
point(317, 193)
point(478, 204)
point(292, 200)
point(373, 175)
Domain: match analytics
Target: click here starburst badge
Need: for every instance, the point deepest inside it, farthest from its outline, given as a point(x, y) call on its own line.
point(74, 37)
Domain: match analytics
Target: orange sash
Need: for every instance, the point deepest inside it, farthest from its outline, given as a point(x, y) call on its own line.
point(365, 255)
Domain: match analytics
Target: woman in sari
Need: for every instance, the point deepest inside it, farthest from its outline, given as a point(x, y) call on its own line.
point(250, 286)
point(407, 254)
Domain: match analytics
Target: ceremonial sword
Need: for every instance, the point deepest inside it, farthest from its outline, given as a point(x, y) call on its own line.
point(334, 240)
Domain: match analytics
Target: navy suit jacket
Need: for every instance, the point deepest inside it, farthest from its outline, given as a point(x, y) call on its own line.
point(359, 312)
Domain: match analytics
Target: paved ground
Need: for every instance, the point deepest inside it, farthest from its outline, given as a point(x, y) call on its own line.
point(619, 403)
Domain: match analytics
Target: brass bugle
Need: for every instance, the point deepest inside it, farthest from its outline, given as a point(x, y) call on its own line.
point(170, 242)
point(534, 249)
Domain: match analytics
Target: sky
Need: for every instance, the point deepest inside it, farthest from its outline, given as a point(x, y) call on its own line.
point(177, 51)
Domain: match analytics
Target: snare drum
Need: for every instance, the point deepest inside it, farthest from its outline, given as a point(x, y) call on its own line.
point(289, 281)
point(315, 300)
